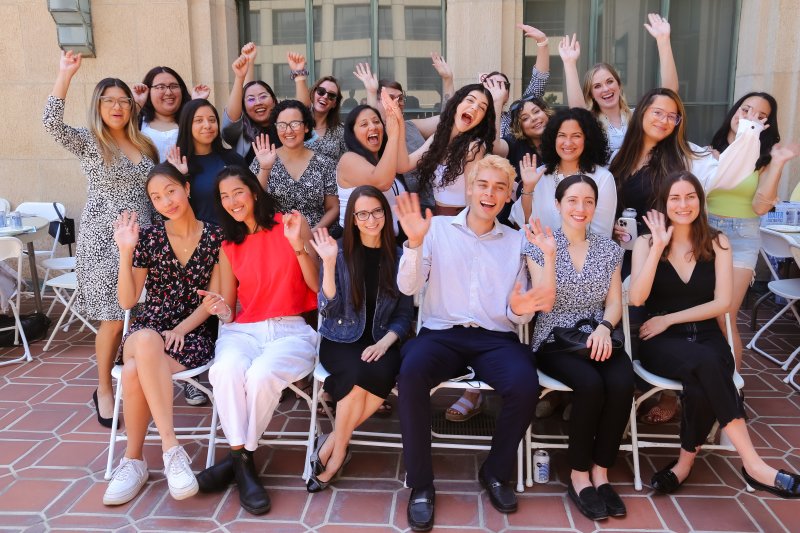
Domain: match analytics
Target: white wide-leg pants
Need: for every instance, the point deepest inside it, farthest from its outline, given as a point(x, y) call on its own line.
point(253, 363)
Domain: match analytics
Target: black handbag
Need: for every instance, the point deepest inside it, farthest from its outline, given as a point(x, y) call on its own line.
point(573, 339)
point(35, 326)
point(63, 228)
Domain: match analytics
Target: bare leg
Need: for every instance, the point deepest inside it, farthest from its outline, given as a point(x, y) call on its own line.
point(599, 475)
point(580, 480)
point(736, 430)
point(134, 407)
point(741, 282)
point(684, 464)
point(106, 343)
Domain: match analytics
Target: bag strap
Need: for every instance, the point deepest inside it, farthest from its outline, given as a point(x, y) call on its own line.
point(60, 216)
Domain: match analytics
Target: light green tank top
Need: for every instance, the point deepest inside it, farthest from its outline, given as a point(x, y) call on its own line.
point(736, 202)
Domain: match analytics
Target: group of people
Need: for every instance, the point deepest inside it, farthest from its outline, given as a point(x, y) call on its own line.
point(240, 228)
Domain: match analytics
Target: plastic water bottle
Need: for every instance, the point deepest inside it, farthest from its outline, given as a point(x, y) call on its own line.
point(16, 220)
point(541, 468)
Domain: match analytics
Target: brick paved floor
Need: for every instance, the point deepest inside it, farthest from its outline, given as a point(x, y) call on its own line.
point(52, 458)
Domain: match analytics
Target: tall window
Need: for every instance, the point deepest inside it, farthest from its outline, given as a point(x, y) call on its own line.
point(396, 37)
point(702, 42)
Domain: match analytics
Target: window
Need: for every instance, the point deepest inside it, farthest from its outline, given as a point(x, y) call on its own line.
point(351, 22)
point(255, 26)
point(423, 23)
point(385, 22)
point(421, 75)
point(288, 27)
point(343, 69)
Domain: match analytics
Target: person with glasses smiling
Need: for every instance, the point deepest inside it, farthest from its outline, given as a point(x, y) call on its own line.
point(364, 320)
point(325, 100)
point(296, 176)
point(115, 157)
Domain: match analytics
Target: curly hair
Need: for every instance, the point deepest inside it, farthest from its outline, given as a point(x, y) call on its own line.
point(595, 145)
point(456, 153)
point(515, 112)
point(305, 112)
point(769, 137)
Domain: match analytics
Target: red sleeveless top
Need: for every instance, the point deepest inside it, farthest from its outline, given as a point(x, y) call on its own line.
point(270, 280)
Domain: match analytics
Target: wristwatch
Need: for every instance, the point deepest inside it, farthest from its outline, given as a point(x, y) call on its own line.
point(301, 251)
point(607, 324)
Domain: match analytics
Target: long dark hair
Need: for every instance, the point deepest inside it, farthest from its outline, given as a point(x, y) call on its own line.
point(305, 112)
point(595, 143)
point(186, 141)
point(264, 209)
point(332, 119)
point(353, 248)
point(702, 234)
point(456, 153)
point(148, 111)
point(251, 129)
point(769, 137)
point(569, 181)
point(671, 154)
point(353, 144)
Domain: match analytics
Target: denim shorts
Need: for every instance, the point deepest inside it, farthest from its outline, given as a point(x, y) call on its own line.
point(743, 236)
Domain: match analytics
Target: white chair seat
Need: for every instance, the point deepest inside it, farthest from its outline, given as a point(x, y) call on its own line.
point(59, 263)
point(671, 384)
point(68, 280)
point(786, 288)
point(547, 382)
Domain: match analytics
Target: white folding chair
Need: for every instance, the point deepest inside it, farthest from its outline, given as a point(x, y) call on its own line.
point(61, 286)
point(5, 205)
point(46, 259)
point(182, 433)
point(60, 264)
point(790, 379)
point(11, 248)
point(779, 245)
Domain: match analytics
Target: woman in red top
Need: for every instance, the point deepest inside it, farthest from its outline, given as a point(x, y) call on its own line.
point(264, 344)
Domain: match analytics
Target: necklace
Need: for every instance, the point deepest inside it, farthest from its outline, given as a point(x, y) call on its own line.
point(611, 124)
point(558, 174)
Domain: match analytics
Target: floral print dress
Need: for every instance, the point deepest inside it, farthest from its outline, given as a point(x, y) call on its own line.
point(172, 290)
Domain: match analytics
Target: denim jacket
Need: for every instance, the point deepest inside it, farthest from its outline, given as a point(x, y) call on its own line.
point(341, 322)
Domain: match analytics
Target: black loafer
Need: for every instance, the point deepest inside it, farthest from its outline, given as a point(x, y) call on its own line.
point(588, 502)
point(420, 509)
point(501, 495)
point(787, 485)
point(665, 480)
point(614, 504)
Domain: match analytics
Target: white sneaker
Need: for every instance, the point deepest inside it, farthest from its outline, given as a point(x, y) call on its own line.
point(180, 478)
point(126, 481)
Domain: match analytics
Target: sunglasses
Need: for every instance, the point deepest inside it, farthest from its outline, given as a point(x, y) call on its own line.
point(521, 102)
point(329, 95)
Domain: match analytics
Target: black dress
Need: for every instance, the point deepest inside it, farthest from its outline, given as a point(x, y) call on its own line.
point(343, 360)
point(694, 353)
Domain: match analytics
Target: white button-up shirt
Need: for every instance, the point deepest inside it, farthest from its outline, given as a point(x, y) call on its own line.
point(469, 277)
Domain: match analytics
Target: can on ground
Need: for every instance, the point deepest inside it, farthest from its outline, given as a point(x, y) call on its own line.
point(541, 466)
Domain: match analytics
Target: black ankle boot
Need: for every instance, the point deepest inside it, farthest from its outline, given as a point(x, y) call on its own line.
point(252, 496)
point(218, 477)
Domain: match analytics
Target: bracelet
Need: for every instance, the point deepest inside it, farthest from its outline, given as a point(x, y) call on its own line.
point(542, 44)
point(523, 193)
point(225, 316)
point(607, 324)
point(295, 73)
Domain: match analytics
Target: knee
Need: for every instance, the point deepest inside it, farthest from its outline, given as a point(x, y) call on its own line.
point(414, 370)
point(521, 387)
point(590, 388)
point(144, 342)
point(226, 370)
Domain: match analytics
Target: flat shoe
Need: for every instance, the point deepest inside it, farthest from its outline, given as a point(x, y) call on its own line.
point(420, 509)
point(316, 465)
point(614, 504)
point(665, 480)
point(787, 485)
point(500, 494)
point(588, 502)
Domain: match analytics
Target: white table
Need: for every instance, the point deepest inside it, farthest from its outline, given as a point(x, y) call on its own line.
point(27, 236)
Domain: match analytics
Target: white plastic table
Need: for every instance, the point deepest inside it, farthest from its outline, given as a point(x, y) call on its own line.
point(32, 229)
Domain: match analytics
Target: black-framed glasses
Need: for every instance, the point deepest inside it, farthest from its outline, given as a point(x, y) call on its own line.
point(376, 213)
point(293, 125)
point(110, 101)
point(329, 95)
point(162, 87)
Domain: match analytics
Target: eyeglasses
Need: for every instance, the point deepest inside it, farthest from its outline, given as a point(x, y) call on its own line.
point(661, 115)
point(162, 87)
point(331, 96)
point(376, 213)
point(399, 98)
point(252, 100)
point(293, 125)
point(110, 101)
point(521, 102)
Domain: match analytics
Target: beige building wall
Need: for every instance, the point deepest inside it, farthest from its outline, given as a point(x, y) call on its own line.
point(768, 59)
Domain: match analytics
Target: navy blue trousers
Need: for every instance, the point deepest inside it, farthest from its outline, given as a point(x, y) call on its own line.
point(499, 359)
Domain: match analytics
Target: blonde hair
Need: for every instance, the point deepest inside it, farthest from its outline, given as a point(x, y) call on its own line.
point(494, 162)
point(108, 148)
point(592, 105)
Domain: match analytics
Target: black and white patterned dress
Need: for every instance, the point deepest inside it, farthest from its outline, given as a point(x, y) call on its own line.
point(111, 189)
point(578, 294)
point(331, 144)
point(307, 194)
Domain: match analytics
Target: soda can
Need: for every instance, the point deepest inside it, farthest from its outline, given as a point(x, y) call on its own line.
point(16, 220)
point(541, 466)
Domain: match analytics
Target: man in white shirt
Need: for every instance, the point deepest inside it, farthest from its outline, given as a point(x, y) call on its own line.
point(474, 275)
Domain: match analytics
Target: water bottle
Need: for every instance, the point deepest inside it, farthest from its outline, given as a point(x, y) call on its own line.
point(16, 220)
point(2, 219)
point(541, 469)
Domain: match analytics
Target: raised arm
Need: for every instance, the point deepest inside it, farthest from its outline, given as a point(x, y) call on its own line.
point(297, 63)
point(541, 70)
point(72, 139)
point(414, 264)
point(660, 30)
point(370, 81)
point(130, 280)
point(262, 164)
point(234, 107)
point(570, 52)
point(767, 192)
point(250, 51)
point(446, 73)
point(542, 295)
point(328, 251)
point(297, 232)
point(647, 252)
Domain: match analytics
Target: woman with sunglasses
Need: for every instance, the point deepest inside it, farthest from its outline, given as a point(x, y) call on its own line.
point(161, 97)
point(115, 157)
point(325, 100)
point(247, 113)
point(602, 90)
point(297, 177)
point(364, 320)
point(201, 155)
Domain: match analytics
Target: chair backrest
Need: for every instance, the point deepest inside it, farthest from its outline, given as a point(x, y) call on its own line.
point(5, 205)
point(41, 209)
point(11, 248)
point(795, 249)
point(775, 244)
